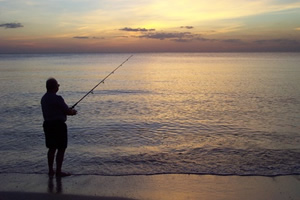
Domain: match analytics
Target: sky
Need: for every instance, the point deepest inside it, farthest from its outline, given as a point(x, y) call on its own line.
point(84, 26)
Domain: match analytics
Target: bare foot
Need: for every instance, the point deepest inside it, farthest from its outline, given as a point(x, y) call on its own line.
point(51, 173)
point(62, 174)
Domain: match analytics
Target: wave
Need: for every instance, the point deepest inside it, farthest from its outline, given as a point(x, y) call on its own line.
point(198, 161)
point(157, 174)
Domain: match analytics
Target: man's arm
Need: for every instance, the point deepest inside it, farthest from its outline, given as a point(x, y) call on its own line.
point(65, 108)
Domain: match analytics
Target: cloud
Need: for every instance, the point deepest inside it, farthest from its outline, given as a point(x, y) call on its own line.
point(235, 41)
point(187, 27)
point(81, 37)
point(185, 37)
point(136, 29)
point(86, 37)
point(163, 35)
point(175, 36)
point(12, 25)
point(297, 29)
point(98, 38)
point(278, 41)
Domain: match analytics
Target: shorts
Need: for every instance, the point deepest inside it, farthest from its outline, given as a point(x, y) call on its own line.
point(56, 133)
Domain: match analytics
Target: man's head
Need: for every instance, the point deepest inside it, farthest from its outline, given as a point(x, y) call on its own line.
point(52, 85)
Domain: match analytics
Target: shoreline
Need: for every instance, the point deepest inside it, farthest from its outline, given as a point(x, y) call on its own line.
point(149, 187)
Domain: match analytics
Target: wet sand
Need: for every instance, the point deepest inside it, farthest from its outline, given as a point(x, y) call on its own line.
point(158, 187)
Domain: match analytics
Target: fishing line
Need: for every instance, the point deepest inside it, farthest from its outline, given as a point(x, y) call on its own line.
point(102, 81)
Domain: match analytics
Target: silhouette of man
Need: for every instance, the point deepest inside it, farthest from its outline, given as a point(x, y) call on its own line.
point(55, 112)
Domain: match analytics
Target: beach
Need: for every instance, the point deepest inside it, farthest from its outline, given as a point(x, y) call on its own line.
point(141, 187)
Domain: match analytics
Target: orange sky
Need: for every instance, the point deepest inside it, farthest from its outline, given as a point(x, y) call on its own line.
point(54, 26)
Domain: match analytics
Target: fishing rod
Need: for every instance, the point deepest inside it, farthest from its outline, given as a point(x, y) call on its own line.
point(102, 81)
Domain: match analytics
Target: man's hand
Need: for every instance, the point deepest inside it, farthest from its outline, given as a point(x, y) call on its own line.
point(72, 112)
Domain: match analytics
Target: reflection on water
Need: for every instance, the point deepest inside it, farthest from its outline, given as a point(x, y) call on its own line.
point(55, 185)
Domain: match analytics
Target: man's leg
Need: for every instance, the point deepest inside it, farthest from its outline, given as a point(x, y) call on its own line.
point(59, 161)
point(51, 155)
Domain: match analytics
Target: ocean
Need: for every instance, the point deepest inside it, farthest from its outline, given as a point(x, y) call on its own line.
point(159, 113)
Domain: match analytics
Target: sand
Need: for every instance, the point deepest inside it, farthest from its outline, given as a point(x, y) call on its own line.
point(158, 187)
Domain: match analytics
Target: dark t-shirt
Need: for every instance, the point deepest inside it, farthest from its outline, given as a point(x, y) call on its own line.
point(54, 107)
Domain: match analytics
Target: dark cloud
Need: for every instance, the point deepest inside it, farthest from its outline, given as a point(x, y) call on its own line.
point(98, 38)
point(185, 37)
point(175, 36)
point(12, 25)
point(180, 40)
point(187, 27)
point(199, 38)
point(81, 37)
point(278, 41)
point(136, 29)
point(235, 41)
point(163, 35)
point(86, 37)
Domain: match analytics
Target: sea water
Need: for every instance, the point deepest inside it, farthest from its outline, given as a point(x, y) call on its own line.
point(159, 113)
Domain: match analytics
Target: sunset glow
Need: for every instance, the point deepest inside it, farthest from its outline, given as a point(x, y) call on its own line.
point(32, 26)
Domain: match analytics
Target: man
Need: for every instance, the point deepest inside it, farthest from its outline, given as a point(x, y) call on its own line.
point(55, 112)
